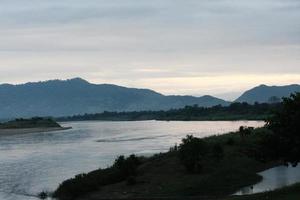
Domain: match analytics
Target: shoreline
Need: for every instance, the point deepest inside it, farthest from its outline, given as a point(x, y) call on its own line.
point(19, 131)
point(204, 120)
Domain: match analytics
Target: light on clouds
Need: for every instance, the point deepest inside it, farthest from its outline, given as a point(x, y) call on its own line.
point(203, 47)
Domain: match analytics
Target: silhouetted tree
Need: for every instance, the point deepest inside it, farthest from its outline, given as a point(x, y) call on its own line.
point(127, 166)
point(191, 152)
point(285, 125)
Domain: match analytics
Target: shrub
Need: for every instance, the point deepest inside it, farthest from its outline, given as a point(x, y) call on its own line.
point(84, 183)
point(285, 125)
point(43, 195)
point(191, 152)
point(244, 131)
point(127, 166)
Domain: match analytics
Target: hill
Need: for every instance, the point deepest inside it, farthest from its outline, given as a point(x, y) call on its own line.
point(77, 96)
point(267, 94)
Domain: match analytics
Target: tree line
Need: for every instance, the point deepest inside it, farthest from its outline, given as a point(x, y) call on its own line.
point(235, 111)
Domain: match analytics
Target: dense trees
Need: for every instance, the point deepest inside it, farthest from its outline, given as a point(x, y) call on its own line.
point(235, 111)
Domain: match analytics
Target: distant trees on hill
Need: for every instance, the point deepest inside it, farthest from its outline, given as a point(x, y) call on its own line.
point(234, 111)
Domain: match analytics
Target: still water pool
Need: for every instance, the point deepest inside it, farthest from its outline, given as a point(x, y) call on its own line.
point(274, 178)
point(35, 162)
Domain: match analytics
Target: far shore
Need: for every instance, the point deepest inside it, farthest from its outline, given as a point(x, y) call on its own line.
point(17, 131)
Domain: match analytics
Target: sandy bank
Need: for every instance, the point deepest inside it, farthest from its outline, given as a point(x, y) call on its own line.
point(30, 130)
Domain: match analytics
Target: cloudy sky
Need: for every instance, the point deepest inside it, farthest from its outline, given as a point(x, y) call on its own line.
point(217, 47)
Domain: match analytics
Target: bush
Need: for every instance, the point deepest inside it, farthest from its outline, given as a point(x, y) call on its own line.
point(127, 166)
point(285, 125)
point(81, 184)
point(244, 131)
point(43, 195)
point(191, 152)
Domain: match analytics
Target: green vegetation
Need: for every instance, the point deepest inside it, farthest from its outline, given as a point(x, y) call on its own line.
point(235, 111)
point(211, 167)
point(36, 122)
point(192, 151)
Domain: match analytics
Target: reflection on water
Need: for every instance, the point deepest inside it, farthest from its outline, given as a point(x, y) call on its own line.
point(274, 178)
point(35, 162)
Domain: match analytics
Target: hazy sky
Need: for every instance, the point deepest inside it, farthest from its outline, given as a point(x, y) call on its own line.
point(217, 47)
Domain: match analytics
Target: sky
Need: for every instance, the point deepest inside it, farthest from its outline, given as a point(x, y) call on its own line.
point(194, 47)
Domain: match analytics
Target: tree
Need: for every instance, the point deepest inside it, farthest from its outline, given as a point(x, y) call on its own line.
point(285, 125)
point(127, 166)
point(191, 153)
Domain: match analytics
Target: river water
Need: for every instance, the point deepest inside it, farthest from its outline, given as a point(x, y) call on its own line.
point(36, 162)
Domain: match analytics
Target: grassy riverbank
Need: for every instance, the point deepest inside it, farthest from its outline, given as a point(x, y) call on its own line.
point(231, 161)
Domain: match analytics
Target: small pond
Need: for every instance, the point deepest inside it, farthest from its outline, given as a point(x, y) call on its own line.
point(273, 178)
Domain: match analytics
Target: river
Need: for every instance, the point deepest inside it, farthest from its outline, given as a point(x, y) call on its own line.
point(36, 162)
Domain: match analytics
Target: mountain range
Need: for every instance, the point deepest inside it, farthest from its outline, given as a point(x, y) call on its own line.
point(267, 94)
point(77, 96)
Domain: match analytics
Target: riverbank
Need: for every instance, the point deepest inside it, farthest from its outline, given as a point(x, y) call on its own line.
point(231, 162)
point(32, 125)
point(17, 131)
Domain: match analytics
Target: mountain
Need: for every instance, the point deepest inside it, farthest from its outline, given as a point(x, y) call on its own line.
point(77, 96)
point(267, 94)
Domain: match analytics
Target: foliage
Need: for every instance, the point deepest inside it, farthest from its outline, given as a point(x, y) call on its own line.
point(191, 152)
point(284, 139)
point(244, 131)
point(234, 111)
point(43, 195)
point(127, 166)
point(122, 169)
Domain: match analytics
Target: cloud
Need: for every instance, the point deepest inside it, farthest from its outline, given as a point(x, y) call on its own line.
point(124, 40)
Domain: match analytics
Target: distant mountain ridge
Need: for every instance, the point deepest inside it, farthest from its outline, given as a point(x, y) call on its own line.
point(78, 96)
point(264, 93)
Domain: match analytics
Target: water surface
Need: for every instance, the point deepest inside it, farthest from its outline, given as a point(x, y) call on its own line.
point(35, 162)
point(274, 178)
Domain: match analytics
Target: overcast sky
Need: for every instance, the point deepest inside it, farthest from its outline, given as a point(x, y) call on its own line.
point(216, 47)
